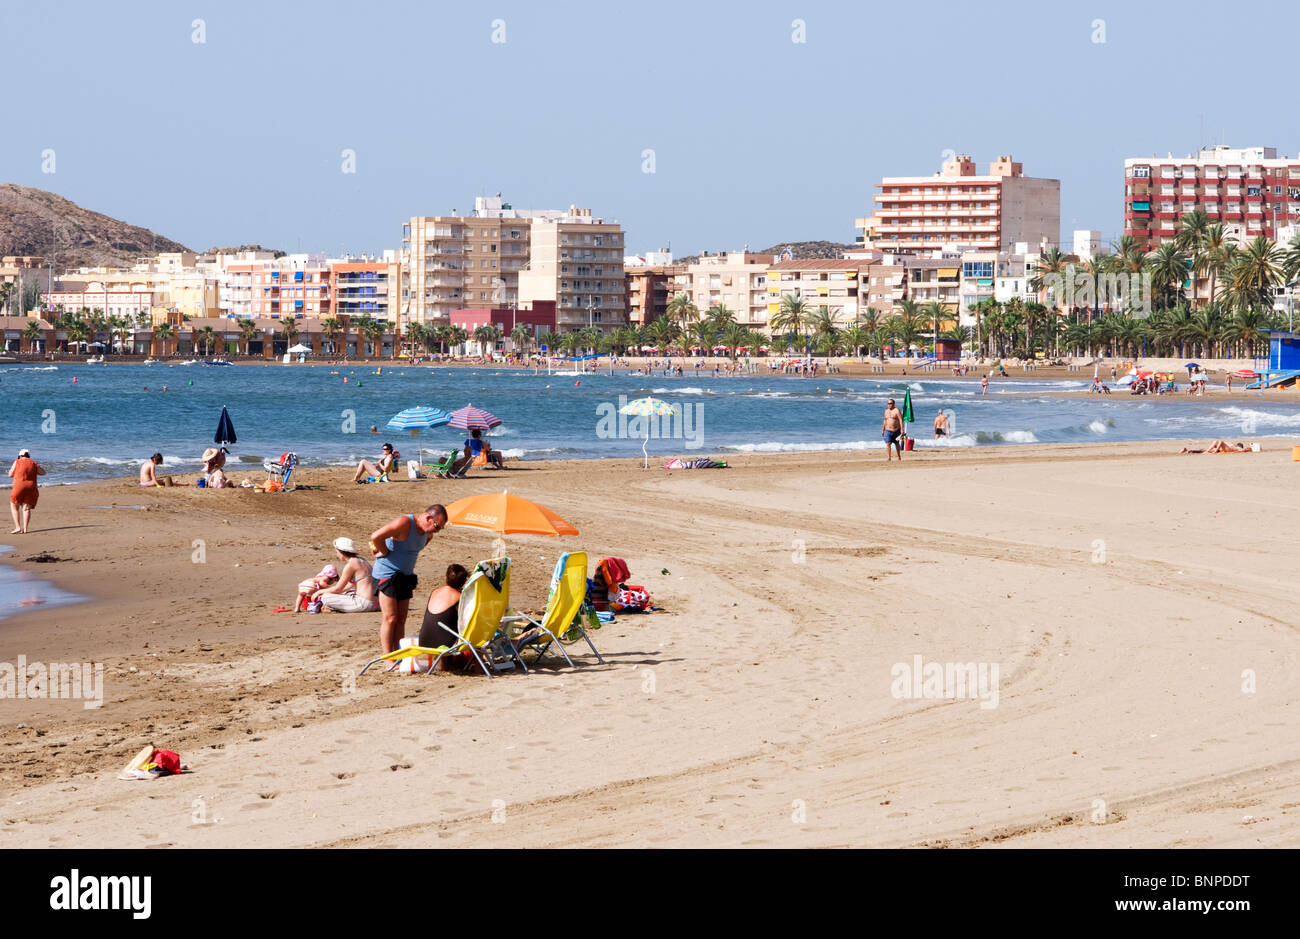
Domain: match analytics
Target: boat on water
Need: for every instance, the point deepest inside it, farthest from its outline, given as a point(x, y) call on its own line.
point(217, 362)
point(151, 361)
point(95, 360)
point(191, 362)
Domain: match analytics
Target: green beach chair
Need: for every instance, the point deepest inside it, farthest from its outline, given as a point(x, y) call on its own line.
point(444, 467)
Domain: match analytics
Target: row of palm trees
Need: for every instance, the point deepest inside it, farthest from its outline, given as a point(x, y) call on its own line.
point(90, 325)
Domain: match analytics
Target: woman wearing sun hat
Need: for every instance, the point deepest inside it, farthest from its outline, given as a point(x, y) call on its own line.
point(24, 495)
point(354, 592)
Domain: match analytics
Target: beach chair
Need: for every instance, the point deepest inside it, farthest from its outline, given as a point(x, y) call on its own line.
point(280, 470)
point(443, 467)
point(483, 604)
point(565, 608)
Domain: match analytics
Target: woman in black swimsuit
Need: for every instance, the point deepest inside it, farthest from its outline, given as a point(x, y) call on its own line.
point(439, 627)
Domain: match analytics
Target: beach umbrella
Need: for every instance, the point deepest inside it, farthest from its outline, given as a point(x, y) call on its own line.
point(647, 407)
point(504, 514)
point(1202, 377)
point(907, 411)
point(298, 349)
point(225, 429)
point(417, 419)
point(1245, 373)
point(1192, 365)
point(472, 418)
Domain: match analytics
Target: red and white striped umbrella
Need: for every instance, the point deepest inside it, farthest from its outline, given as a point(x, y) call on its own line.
point(472, 418)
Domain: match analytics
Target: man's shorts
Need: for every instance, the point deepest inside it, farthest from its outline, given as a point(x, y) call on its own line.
point(399, 586)
point(891, 436)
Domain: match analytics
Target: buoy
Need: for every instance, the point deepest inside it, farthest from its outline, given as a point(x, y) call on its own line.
point(345, 379)
point(191, 382)
point(74, 381)
point(576, 384)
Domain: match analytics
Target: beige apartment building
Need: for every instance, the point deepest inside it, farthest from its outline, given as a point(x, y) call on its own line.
point(456, 262)
point(577, 261)
point(735, 279)
point(833, 284)
point(956, 209)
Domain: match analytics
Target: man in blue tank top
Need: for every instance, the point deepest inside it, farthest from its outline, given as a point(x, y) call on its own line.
point(396, 547)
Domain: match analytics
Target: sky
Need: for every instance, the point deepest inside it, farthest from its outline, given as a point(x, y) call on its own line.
point(698, 125)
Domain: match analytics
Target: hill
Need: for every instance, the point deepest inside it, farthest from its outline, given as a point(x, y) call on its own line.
point(803, 251)
point(36, 222)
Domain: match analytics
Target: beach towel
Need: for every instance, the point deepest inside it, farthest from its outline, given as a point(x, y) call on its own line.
point(614, 570)
point(703, 462)
point(631, 599)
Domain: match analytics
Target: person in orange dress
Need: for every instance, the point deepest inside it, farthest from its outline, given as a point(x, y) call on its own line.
point(24, 495)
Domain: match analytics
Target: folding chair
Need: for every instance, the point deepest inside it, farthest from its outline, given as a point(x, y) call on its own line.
point(566, 606)
point(482, 607)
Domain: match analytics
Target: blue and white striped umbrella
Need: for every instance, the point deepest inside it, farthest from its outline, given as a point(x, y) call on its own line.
point(420, 418)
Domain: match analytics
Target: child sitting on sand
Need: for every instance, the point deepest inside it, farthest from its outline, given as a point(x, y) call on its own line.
point(328, 577)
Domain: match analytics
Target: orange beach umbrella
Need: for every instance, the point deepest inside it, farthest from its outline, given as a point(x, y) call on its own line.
point(505, 514)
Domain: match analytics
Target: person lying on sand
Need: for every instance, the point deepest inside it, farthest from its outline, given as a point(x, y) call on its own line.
point(1220, 446)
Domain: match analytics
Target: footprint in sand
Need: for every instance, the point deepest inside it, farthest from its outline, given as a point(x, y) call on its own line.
point(254, 805)
point(344, 775)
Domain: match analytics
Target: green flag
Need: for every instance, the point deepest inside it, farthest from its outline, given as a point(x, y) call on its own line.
point(907, 408)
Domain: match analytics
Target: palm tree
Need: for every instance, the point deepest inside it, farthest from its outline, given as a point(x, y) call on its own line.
point(905, 325)
point(1256, 271)
point(32, 333)
point(1190, 239)
point(1207, 328)
point(791, 317)
point(331, 329)
point(734, 336)
point(662, 332)
point(289, 331)
point(720, 316)
point(1217, 250)
point(682, 311)
point(1050, 266)
point(1128, 255)
point(162, 332)
point(521, 336)
point(487, 335)
point(373, 330)
point(936, 313)
point(1167, 266)
point(856, 336)
point(208, 337)
point(1245, 331)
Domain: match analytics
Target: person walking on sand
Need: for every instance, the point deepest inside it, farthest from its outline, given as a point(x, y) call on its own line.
point(22, 499)
point(396, 547)
point(892, 430)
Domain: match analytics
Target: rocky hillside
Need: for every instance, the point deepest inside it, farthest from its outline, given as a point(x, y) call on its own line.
point(36, 222)
point(803, 251)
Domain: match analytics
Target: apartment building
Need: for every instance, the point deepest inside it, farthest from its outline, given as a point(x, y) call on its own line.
point(885, 283)
point(833, 284)
point(111, 299)
point(466, 262)
point(366, 287)
point(734, 279)
point(1251, 191)
point(290, 286)
point(576, 260)
point(956, 208)
point(648, 288)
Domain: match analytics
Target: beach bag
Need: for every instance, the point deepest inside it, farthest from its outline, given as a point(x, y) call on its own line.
point(631, 599)
point(415, 663)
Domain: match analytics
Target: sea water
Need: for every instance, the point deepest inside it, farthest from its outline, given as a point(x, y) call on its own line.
point(21, 591)
point(114, 416)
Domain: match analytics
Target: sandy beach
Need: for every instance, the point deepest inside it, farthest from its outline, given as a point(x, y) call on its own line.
point(1137, 605)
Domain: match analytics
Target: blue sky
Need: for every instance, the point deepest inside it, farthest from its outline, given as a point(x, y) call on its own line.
point(757, 139)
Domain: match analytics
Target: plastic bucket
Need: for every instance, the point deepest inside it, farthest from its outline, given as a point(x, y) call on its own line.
point(909, 444)
point(1295, 454)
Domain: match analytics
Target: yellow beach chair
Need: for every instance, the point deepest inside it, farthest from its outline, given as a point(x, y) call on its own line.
point(483, 605)
point(563, 608)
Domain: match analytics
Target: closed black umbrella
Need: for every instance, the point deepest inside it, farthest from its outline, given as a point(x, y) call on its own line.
point(225, 429)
